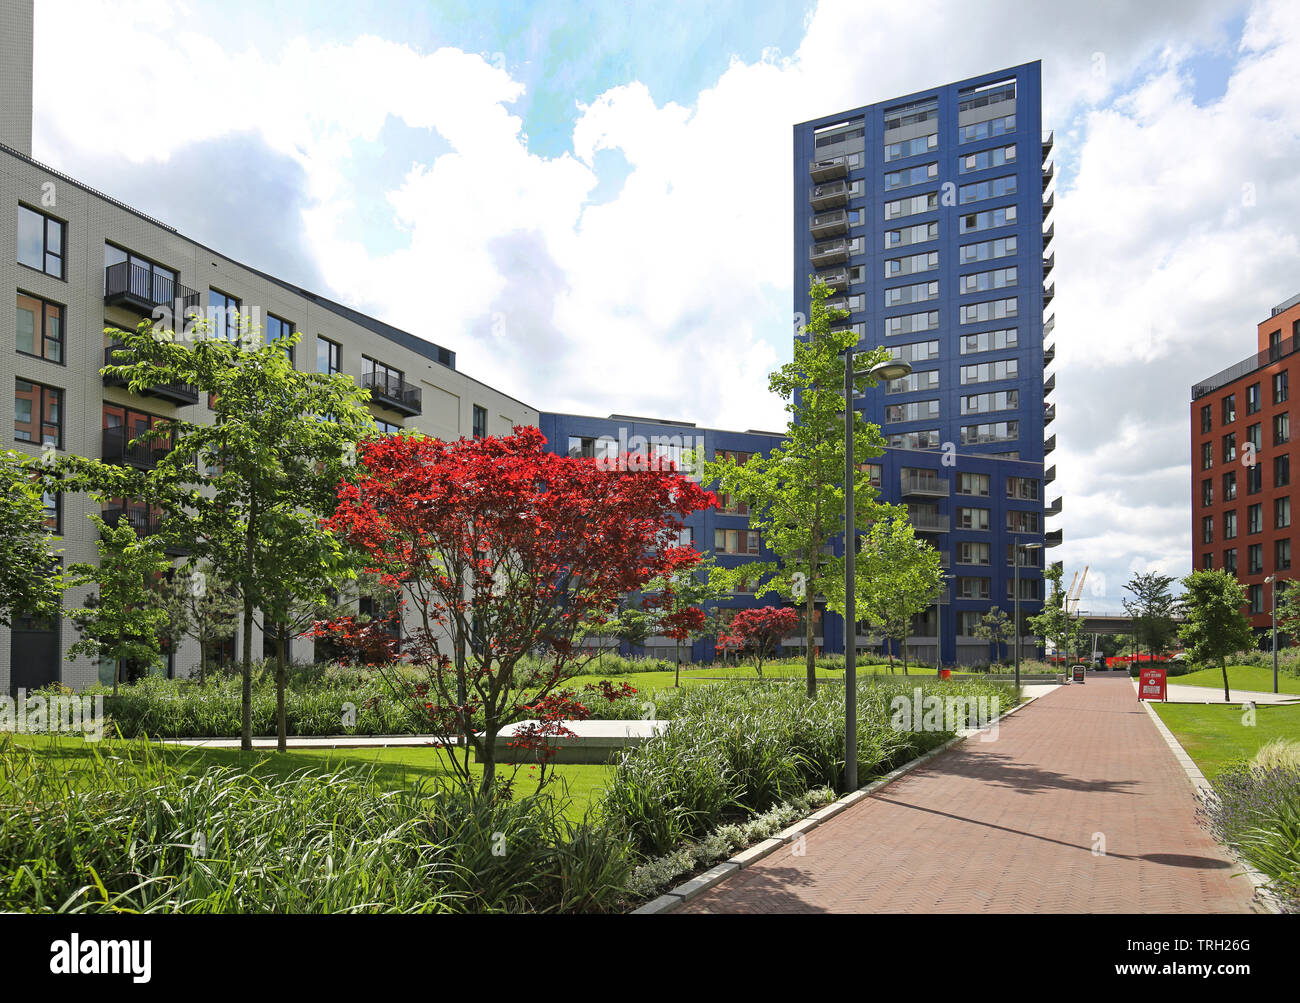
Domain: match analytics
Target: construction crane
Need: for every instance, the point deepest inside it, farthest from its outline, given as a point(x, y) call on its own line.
point(1076, 592)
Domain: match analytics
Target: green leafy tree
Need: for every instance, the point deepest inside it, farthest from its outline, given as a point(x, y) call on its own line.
point(1152, 608)
point(680, 603)
point(996, 628)
point(1215, 626)
point(279, 445)
point(1055, 622)
point(29, 583)
point(631, 625)
point(796, 495)
point(1288, 609)
point(202, 606)
point(898, 576)
point(122, 620)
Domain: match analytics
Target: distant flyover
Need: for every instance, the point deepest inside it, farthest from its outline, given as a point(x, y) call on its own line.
point(1104, 623)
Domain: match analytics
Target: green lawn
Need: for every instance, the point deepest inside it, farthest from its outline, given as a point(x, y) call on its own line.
point(1215, 736)
point(1240, 677)
point(648, 682)
point(392, 768)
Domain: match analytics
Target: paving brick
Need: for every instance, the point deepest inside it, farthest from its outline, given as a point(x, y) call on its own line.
point(1011, 826)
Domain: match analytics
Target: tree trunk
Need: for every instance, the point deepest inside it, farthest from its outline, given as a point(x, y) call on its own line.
point(117, 672)
point(203, 662)
point(1223, 666)
point(281, 726)
point(246, 712)
point(810, 656)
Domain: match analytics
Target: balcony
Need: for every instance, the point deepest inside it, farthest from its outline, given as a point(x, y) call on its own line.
point(829, 224)
point(118, 448)
point(1049, 233)
point(1049, 413)
point(1049, 141)
point(1049, 384)
point(837, 279)
point(141, 289)
point(922, 486)
point(928, 522)
point(1049, 443)
point(180, 394)
point(1049, 263)
point(1049, 204)
point(1049, 325)
point(838, 303)
point(1049, 474)
point(1054, 508)
point(829, 169)
point(831, 252)
point(1049, 355)
point(393, 393)
point(828, 196)
point(1053, 538)
point(1049, 172)
point(1049, 293)
point(144, 520)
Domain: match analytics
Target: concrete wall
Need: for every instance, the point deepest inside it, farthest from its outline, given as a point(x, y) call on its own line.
point(16, 74)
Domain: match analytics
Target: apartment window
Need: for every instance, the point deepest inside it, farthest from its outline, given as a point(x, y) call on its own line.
point(329, 356)
point(973, 313)
point(1252, 398)
point(1230, 486)
point(913, 205)
point(382, 376)
point(1230, 560)
point(874, 472)
point(926, 379)
point(972, 553)
point(982, 161)
point(1207, 492)
point(1023, 522)
point(1255, 595)
point(1229, 409)
point(1254, 518)
point(1207, 529)
point(386, 427)
point(1230, 525)
point(911, 147)
point(480, 422)
point(1000, 126)
point(592, 448)
point(1029, 588)
point(40, 328)
point(1279, 387)
point(919, 292)
point(1207, 418)
point(279, 329)
point(1207, 455)
point(917, 351)
point(1281, 470)
point(996, 431)
point(1281, 428)
point(1282, 555)
point(38, 414)
point(912, 264)
point(910, 323)
point(1028, 558)
point(986, 372)
point(1255, 559)
point(993, 188)
point(917, 234)
point(1207, 562)
point(1025, 488)
point(735, 541)
point(911, 176)
point(1254, 479)
point(973, 484)
point(979, 282)
point(923, 439)
point(225, 314)
point(1229, 447)
point(912, 411)
point(968, 622)
point(1281, 513)
point(1255, 436)
point(52, 502)
point(973, 518)
point(985, 250)
point(972, 588)
point(988, 341)
point(912, 113)
point(40, 242)
point(141, 277)
point(972, 222)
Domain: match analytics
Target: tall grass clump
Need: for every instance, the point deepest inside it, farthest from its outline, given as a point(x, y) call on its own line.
point(153, 839)
point(732, 750)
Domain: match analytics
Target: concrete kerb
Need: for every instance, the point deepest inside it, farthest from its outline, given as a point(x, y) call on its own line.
point(1263, 896)
point(673, 898)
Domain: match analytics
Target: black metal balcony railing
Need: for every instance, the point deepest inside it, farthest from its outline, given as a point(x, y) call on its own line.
point(1054, 538)
point(829, 169)
point(1049, 355)
point(118, 447)
point(1049, 384)
point(1049, 233)
point(928, 522)
point(1049, 443)
point(1049, 172)
point(1049, 263)
point(180, 394)
point(919, 484)
point(1054, 508)
point(1049, 413)
point(393, 392)
point(141, 288)
point(1049, 293)
point(144, 520)
point(1246, 366)
point(1049, 474)
point(1049, 140)
point(830, 195)
point(1049, 204)
point(837, 278)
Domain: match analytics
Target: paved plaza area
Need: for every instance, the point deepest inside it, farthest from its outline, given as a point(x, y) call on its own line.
point(1078, 806)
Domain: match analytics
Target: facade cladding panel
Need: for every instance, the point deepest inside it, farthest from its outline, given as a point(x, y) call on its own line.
point(1225, 407)
point(929, 174)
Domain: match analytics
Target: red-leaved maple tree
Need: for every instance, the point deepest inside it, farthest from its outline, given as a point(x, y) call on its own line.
point(761, 630)
point(497, 549)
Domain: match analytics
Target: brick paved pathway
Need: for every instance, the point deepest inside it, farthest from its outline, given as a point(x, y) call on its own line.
point(1008, 826)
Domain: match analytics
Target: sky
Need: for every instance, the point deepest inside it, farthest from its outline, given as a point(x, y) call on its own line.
point(590, 202)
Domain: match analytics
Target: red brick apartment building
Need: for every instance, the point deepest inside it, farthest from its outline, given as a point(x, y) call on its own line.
point(1242, 463)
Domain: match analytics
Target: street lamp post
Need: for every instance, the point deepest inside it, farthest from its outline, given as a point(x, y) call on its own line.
point(1275, 582)
point(946, 578)
point(1015, 592)
point(892, 370)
